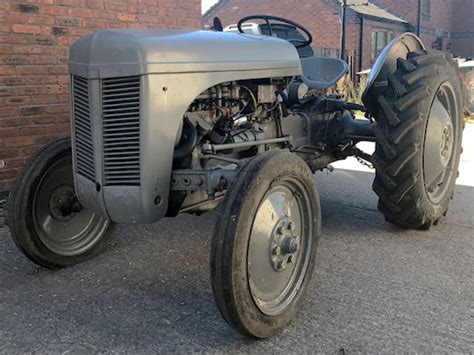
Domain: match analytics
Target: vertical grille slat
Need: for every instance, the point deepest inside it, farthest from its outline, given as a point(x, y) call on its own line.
point(121, 130)
point(82, 128)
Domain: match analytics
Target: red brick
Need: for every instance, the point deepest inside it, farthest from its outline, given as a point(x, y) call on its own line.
point(93, 24)
point(35, 37)
point(18, 28)
point(116, 7)
point(6, 184)
point(127, 17)
point(5, 27)
point(7, 70)
point(50, 119)
point(95, 4)
point(7, 91)
point(76, 3)
point(9, 113)
point(57, 89)
point(15, 163)
point(57, 109)
point(8, 153)
point(31, 130)
point(68, 22)
point(7, 174)
point(8, 132)
point(13, 121)
point(18, 142)
point(15, 100)
point(28, 151)
point(63, 79)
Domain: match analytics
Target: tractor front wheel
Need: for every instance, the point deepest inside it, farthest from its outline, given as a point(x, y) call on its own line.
point(264, 244)
point(47, 222)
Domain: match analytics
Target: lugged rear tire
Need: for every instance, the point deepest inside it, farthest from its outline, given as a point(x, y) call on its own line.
point(408, 195)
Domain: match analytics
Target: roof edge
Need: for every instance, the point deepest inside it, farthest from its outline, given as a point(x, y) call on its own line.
point(213, 9)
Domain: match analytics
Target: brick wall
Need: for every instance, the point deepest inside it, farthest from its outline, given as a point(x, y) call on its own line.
point(453, 19)
point(34, 43)
point(369, 26)
point(463, 28)
point(440, 15)
point(406, 9)
point(321, 17)
point(318, 17)
point(463, 46)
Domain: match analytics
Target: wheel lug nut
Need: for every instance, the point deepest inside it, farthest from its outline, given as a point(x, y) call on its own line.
point(290, 259)
point(280, 265)
point(276, 251)
point(291, 225)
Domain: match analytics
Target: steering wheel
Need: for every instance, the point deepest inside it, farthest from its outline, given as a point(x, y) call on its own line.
point(298, 43)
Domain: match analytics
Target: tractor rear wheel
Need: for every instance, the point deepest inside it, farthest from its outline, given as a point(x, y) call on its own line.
point(46, 221)
point(419, 124)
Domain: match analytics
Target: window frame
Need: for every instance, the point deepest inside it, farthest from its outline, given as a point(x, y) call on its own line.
point(375, 48)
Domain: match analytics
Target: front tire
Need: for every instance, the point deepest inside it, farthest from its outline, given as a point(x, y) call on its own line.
point(264, 244)
point(46, 220)
point(419, 125)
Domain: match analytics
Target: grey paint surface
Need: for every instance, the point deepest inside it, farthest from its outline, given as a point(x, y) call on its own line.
point(117, 53)
point(175, 67)
point(322, 72)
point(376, 288)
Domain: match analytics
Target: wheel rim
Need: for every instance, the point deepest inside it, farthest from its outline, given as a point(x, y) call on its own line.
point(279, 246)
point(62, 224)
point(440, 142)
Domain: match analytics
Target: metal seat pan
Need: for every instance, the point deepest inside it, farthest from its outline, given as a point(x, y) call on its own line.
point(322, 72)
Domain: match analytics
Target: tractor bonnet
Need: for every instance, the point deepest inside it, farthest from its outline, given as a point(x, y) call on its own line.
point(112, 53)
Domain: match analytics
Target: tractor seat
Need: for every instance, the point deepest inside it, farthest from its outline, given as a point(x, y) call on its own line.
point(322, 72)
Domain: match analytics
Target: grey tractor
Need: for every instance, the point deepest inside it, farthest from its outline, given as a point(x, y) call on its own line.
point(165, 122)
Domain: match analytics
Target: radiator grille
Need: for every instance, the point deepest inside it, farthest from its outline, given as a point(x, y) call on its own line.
point(82, 128)
point(121, 130)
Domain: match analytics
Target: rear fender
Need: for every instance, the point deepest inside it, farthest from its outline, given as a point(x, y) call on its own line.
point(386, 64)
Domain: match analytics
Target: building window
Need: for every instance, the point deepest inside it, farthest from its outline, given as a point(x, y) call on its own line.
point(380, 38)
point(425, 7)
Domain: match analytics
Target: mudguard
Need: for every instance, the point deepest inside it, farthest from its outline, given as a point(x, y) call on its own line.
point(386, 64)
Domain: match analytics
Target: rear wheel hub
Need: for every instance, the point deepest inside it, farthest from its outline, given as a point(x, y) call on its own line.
point(439, 144)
